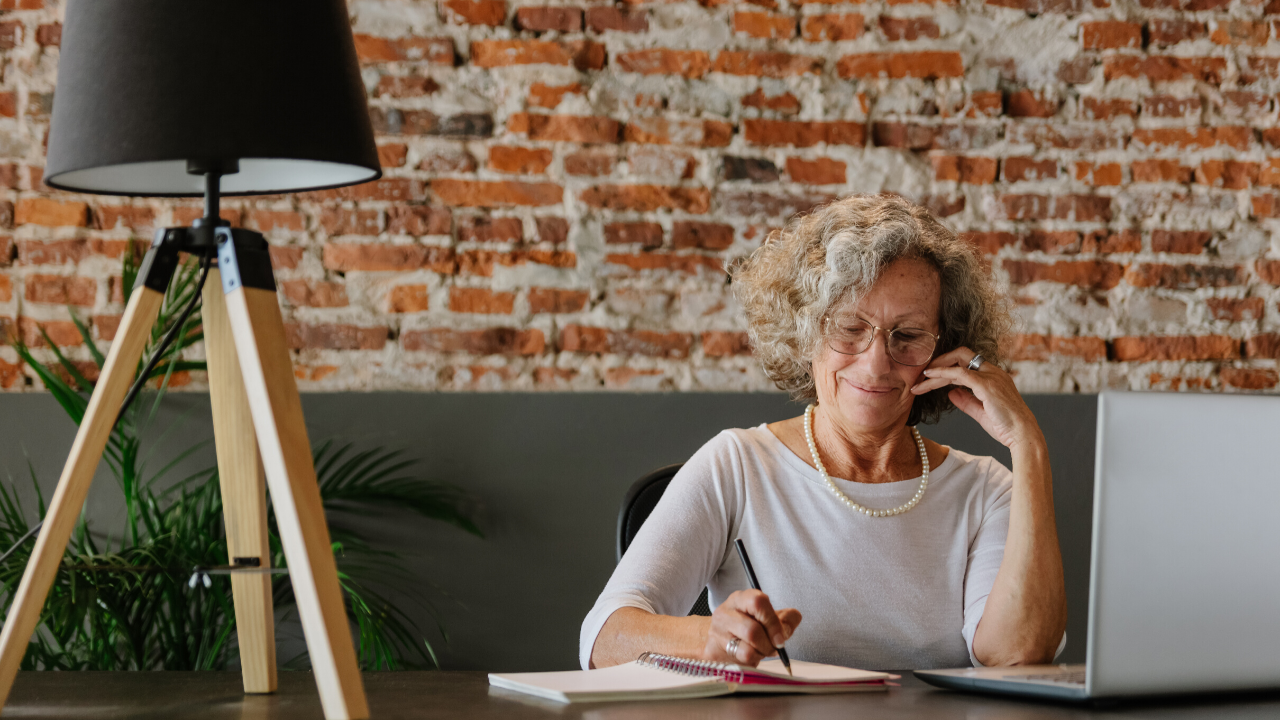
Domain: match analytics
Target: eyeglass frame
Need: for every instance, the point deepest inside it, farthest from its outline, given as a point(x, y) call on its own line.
point(888, 334)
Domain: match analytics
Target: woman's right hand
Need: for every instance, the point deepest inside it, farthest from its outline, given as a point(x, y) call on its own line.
point(749, 616)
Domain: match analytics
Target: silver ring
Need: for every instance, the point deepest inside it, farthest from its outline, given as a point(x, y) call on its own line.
point(976, 362)
point(731, 647)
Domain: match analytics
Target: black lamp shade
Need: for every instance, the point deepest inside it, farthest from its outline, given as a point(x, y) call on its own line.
point(146, 86)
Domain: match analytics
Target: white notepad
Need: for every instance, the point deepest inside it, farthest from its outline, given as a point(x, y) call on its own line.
point(661, 677)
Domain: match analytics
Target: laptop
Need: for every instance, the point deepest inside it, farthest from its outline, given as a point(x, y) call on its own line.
point(1184, 586)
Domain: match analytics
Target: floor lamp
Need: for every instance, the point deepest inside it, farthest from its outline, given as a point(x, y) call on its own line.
point(205, 98)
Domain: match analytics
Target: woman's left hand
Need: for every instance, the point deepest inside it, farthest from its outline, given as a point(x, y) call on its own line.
point(987, 395)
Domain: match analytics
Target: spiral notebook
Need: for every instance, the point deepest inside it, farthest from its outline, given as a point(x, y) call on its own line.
point(662, 677)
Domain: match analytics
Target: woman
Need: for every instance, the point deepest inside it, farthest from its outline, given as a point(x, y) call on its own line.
point(878, 549)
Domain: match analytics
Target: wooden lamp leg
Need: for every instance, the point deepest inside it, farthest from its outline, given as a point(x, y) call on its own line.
point(64, 509)
point(244, 499)
point(276, 406)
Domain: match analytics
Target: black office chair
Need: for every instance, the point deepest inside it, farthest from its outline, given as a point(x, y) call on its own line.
point(641, 499)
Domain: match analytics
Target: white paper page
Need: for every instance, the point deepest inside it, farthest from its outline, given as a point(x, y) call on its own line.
point(814, 672)
point(629, 680)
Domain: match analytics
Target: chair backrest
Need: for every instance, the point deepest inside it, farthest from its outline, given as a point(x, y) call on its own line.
point(641, 499)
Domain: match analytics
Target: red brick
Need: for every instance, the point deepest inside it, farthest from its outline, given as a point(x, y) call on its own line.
point(549, 96)
point(418, 220)
point(493, 341)
point(552, 230)
point(582, 54)
point(647, 198)
point(1236, 309)
point(1025, 103)
point(1266, 345)
point(8, 104)
point(308, 293)
point(707, 236)
point(1039, 348)
point(927, 64)
point(1072, 7)
point(666, 261)
point(773, 204)
point(1249, 378)
point(392, 155)
point(592, 340)
point(1085, 137)
point(988, 243)
point(285, 257)
point(764, 25)
point(1054, 242)
point(408, 299)
point(921, 136)
point(437, 50)
point(445, 160)
point(671, 131)
point(589, 164)
point(1229, 174)
point(1193, 138)
point(480, 301)
point(1104, 241)
point(1171, 106)
point(405, 86)
point(821, 171)
point(377, 257)
point(519, 160)
point(133, 217)
point(51, 213)
point(1164, 68)
point(1241, 32)
point(396, 189)
point(49, 35)
point(341, 221)
point(546, 18)
point(602, 19)
point(483, 193)
point(661, 162)
point(909, 28)
point(803, 134)
point(766, 64)
point(1150, 171)
point(720, 343)
point(1265, 206)
point(835, 27)
point(785, 104)
point(556, 300)
point(1178, 277)
point(63, 333)
point(1110, 35)
point(1171, 31)
point(476, 12)
point(1099, 174)
point(1268, 271)
point(485, 229)
point(1091, 274)
point(566, 128)
point(1094, 108)
point(301, 336)
point(1154, 348)
point(60, 289)
point(482, 262)
point(984, 104)
point(1017, 169)
point(10, 34)
point(1082, 208)
point(1077, 70)
point(647, 234)
point(660, 61)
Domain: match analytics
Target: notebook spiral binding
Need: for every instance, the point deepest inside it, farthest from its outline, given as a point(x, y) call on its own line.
point(696, 668)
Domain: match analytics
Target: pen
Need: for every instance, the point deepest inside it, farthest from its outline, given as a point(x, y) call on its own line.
point(755, 585)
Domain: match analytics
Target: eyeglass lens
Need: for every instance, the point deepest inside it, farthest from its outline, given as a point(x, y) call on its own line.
point(908, 346)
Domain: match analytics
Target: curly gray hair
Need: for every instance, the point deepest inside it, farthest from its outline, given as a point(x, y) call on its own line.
point(834, 255)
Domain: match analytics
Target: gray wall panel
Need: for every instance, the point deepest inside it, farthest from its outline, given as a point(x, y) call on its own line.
point(550, 470)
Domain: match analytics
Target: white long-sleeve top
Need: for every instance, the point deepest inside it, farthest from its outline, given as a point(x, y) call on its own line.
point(876, 593)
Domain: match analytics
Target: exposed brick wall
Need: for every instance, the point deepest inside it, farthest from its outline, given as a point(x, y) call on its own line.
point(565, 183)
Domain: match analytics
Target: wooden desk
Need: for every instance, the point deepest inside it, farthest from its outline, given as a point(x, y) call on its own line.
point(467, 695)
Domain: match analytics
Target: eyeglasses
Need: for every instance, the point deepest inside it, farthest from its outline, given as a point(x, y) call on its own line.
point(907, 345)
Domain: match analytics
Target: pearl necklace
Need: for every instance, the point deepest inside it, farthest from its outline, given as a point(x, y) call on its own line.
point(817, 462)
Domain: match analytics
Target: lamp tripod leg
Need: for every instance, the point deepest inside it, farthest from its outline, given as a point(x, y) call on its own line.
point(244, 500)
point(276, 407)
point(64, 509)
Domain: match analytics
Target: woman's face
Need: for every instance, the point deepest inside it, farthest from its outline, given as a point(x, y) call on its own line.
point(871, 390)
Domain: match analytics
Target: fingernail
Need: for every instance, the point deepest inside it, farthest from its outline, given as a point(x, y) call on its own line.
point(929, 372)
point(779, 640)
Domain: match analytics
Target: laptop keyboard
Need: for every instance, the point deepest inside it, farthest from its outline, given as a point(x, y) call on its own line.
point(1063, 677)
